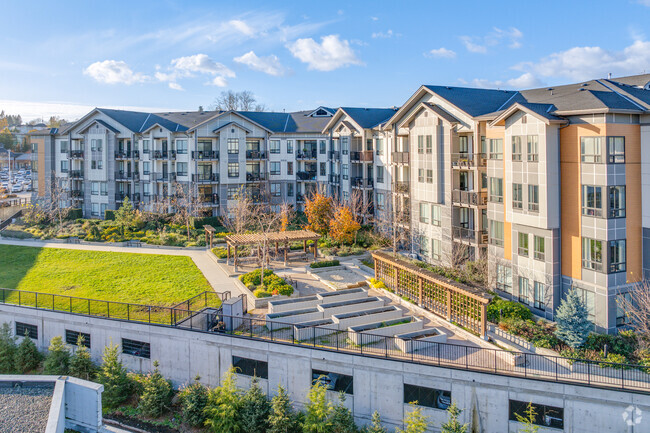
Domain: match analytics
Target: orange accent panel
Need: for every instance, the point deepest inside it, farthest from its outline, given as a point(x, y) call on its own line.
point(41, 165)
point(507, 240)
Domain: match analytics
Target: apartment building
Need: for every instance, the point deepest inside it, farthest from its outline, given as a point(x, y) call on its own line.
point(535, 181)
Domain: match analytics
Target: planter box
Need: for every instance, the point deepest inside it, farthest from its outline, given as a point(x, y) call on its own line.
point(506, 336)
point(324, 269)
point(314, 329)
point(350, 306)
point(373, 332)
point(280, 320)
point(344, 321)
point(288, 304)
point(254, 302)
point(343, 295)
point(422, 339)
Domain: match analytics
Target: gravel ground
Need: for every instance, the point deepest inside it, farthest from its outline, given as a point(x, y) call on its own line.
point(25, 410)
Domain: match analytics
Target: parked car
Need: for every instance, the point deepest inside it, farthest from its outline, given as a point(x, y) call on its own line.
point(16, 188)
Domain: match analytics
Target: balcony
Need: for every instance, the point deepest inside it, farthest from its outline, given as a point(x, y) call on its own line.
point(364, 156)
point(469, 198)
point(470, 235)
point(77, 193)
point(401, 157)
point(163, 177)
point(205, 178)
point(334, 155)
point(134, 197)
point(306, 175)
point(307, 154)
point(209, 199)
point(205, 155)
point(335, 179)
point(75, 154)
point(401, 186)
point(360, 182)
point(300, 198)
point(127, 175)
point(255, 154)
point(123, 154)
point(76, 174)
point(404, 217)
point(255, 177)
point(466, 161)
point(163, 154)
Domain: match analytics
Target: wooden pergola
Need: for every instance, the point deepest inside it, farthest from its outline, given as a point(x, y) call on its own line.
point(277, 238)
point(209, 235)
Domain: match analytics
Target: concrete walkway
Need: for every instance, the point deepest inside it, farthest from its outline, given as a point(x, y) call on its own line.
point(217, 278)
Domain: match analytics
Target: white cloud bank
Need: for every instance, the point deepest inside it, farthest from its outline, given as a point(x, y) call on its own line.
point(332, 53)
point(441, 52)
point(114, 72)
point(269, 65)
point(480, 44)
point(190, 66)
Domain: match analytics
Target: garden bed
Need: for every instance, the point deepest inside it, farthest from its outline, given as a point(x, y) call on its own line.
point(413, 341)
point(373, 332)
point(343, 295)
point(282, 320)
point(314, 329)
point(344, 321)
point(281, 305)
point(350, 305)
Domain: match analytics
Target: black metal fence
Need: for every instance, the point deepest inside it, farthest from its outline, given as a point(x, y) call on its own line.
point(188, 315)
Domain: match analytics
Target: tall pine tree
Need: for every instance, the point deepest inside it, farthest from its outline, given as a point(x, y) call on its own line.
point(255, 409)
point(58, 358)
point(375, 425)
point(224, 405)
point(81, 364)
point(573, 325)
point(7, 350)
point(27, 356)
point(112, 374)
point(415, 421)
point(453, 425)
point(318, 410)
point(341, 418)
point(282, 418)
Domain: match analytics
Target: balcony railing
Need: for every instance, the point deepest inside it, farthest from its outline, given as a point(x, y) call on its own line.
point(401, 186)
point(127, 175)
point(360, 182)
point(76, 193)
point(134, 197)
point(334, 155)
point(306, 175)
point(205, 178)
point(163, 177)
point(255, 177)
point(470, 234)
point(163, 154)
point(401, 157)
point(75, 154)
point(470, 198)
point(300, 198)
point(307, 154)
point(76, 174)
point(209, 199)
point(255, 154)
point(364, 156)
point(334, 178)
point(468, 160)
point(205, 155)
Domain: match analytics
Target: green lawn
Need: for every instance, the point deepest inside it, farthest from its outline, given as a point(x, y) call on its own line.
point(121, 277)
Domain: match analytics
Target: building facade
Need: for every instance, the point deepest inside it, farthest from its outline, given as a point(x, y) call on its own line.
point(534, 181)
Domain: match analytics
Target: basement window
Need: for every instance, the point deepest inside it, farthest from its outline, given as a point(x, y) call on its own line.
point(71, 337)
point(427, 397)
point(136, 348)
point(334, 381)
point(251, 367)
point(25, 329)
point(546, 416)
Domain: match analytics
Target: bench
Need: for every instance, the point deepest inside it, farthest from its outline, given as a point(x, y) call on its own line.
point(133, 243)
point(72, 240)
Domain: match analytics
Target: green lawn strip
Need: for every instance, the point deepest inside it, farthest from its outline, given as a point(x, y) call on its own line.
point(148, 279)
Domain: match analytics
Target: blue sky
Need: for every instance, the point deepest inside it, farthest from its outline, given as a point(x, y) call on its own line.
point(64, 57)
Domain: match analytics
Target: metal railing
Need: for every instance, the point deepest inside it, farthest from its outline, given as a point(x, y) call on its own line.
point(401, 186)
point(307, 154)
point(362, 156)
point(205, 178)
point(401, 157)
point(469, 234)
point(471, 198)
point(255, 154)
point(188, 315)
point(203, 155)
point(468, 160)
point(360, 182)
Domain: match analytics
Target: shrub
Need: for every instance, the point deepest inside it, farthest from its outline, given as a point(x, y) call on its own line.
point(377, 283)
point(157, 393)
point(324, 264)
point(27, 356)
point(573, 325)
point(193, 400)
point(261, 293)
point(75, 214)
point(81, 365)
point(282, 418)
point(7, 350)
point(224, 404)
point(255, 409)
point(117, 385)
point(499, 309)
point(58, 358)
point(109, 215)
point(253, 277)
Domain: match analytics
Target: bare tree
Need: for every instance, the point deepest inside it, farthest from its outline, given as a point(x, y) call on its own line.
point(265, 221)
point(238, 101)
point(185, 203)
point(637, 311)
point(393, 224)
point(56, 202)
point(238, 217)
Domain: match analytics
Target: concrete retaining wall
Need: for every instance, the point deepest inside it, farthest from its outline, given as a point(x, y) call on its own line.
point(343, 295)
point(350, 306)
point(281, 305)
point(413, 341)
point(345, 322)
point(310, 330)
point(371, 333)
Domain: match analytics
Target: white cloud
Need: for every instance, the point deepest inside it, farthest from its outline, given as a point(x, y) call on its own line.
point(269, 64)
point(583, 63)
point(190, 66)
point(114, 72)
point(480, 44)
point(175, 86)
point(332, 53)
point(441, 52)
point(377, 19)
point(218, 81)
point(242, 27)
point(387, 35)
point(524, 81)
point(644, 2)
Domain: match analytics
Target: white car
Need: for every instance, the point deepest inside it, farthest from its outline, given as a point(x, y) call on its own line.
point(16, 188)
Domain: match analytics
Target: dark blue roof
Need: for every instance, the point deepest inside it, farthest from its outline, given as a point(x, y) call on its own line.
point(615, 101)
point(369, 117)
point(137, 121)
point(474, 102)
point(543, 110)
point(287, 122)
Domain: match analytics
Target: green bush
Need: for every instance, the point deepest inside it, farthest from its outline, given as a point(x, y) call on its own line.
point(324, 264)
point(254, 277)
point(499, 309)
point(157, 393)
point(624, 343)
point(7, 350)
point(109, 215)
point(117, 385)
point(81, 365)
point(58, 358)
point(261, 293)
point(540, 333)
point(193, 400)
point(208, 221)
point(27, 357)
point(75, 214)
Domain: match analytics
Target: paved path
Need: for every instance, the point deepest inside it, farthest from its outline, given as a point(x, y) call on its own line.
point(217, 278)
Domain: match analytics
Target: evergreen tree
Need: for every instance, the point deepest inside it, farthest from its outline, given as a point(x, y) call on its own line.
point(341, 418)
point(255, 409)
point(81, 364)
point(375, 425)
point(415, 421)
point(27, 356)
point(58, 359)
point(7, 350)
point(318, 410)
point(193, 399)
point(453, 425)
point(157, 393)
point(282, 418)
point(112, 374)
point(224, 404)
point(573, 325)
point(528, 420)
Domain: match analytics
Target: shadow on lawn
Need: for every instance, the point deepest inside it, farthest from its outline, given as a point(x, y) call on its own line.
point(15, 263)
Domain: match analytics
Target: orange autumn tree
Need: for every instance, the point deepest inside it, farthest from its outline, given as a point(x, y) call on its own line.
point(344, 226)
point(319, 209)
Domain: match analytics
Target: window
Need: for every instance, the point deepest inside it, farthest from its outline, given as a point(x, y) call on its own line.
point(435, 214)
point(289, 146)
point(181, 146)
point(533, 151)
point(102, 208)
point(592, 204)
point(136, 348)
point(95, 145)
point(590, 149)
point(233, 169)
point(146, 189)
point(276, 191)
point(64, 166)
point(274, 146)
point(103, 188)
point(523, 244)
point(429, 176)
point(290, 190)
point(616, 201)
point(420, 143)
point(334, 381)
point(538, 242)
point(145, 146)
point(420, 175)
point(463, 144)
point(94, 209)
point(516, 148)
point(496, 233)
point(427, 397)
point(523, 291)
point(547, 416)
point(232, 192)
point(616, 150)
point(345, 146)
point(429, 143)
point(617, 256)
point(233, 145)
point(344, 171)
point(435, 249)
point(93, 164)
point(504, 278)
point(71, 337)
point(146, 167)
point(496, 190)
point(517, 196)
point(25, 329)
point(94, 188)
point(379, 146)
point(290, 168)
point(181, 168)
point(623, 301)
point(539, 295)
point(533, 198)
point(592, 254)
point(496, 148)
point(64, 146)
point(100, 164)
point(484, 180)
point(424, 213)
point(275, 167)
point(380, 174)
point(323, 169)
point(322, 147)
point(424, 246)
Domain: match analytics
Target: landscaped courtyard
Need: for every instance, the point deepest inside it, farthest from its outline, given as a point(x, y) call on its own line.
point(121, 277)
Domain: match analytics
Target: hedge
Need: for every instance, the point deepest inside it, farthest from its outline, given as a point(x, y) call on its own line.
point(109, 214)
point(75, 214)
point(324, 264)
